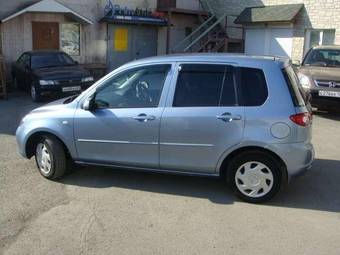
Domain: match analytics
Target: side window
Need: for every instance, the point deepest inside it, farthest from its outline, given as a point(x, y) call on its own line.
point(23, 60)
point(136, 88)
point(253, 86)
point(294, 86)
point(205, 85)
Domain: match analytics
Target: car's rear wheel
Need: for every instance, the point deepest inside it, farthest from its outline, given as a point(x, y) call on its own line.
point(50, 157)
point(35, 94)
point(254, 176)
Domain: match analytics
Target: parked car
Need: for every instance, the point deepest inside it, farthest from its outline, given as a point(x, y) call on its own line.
point(319, 74)
point(49, 72)
point(238, 117)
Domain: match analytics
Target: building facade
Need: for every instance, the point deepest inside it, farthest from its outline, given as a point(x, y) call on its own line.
point(110, 33)
point(97, 32)
point(316, 23)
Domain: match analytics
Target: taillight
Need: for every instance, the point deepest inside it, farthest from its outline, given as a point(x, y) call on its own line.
point(302, 119)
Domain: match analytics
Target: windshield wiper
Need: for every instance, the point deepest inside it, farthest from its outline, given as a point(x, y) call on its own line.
point(49, 66)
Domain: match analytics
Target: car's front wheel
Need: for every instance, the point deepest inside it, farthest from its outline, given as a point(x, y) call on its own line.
point(254, 176)
point(35, 94)
point(50, 157)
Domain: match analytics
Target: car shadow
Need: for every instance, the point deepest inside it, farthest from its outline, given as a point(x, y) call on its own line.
point(213, 189)
point(318, 189)
point(326, 115)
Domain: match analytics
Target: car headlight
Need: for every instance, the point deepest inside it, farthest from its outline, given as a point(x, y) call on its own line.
point(87, 79)
point(46, 82)
point(304, 81)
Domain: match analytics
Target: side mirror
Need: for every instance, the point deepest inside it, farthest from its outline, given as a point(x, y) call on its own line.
point(76, 62)
point(88, 104)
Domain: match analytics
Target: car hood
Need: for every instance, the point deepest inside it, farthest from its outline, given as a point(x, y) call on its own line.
point(54, 106)
point(61, 72)
point(321, 73)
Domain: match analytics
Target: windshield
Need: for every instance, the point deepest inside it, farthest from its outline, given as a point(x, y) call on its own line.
point(51, 60)
point(323, 57)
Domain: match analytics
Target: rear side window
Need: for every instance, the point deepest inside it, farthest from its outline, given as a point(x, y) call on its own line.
point(253, 86)
point(293, 86)
point(202, 85)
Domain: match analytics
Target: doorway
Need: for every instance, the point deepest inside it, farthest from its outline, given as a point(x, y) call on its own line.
point(130, 42)
point(45, 35)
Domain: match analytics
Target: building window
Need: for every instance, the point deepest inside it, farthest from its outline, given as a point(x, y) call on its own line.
point(315, 37)
point(70, 38)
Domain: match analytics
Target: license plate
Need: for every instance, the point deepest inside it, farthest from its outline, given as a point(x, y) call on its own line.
point(69, 89)
point(329, 93)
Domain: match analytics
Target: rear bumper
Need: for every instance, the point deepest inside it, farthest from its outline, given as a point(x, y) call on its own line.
point(298, 157)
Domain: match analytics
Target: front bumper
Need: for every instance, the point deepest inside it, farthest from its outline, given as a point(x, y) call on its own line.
point(324, 102)
point(58, 89)
point(20, 137)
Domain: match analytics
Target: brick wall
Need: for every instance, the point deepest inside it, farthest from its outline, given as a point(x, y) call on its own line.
point(317, 14)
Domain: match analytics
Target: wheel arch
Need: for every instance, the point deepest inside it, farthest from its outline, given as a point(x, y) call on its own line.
point(34, 138)
point(227, 159)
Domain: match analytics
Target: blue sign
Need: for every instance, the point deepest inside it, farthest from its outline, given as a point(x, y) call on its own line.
point(116, 13)
point(110, 10)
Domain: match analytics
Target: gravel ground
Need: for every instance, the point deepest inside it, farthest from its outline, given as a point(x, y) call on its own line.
point(105, 211)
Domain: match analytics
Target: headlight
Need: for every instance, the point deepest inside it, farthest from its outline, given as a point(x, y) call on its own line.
point(87, 79)
point(46, 82)
point(304, 81)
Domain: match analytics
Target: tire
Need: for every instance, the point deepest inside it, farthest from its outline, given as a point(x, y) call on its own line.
point(35, 94)
point(15, 83)
point(50, 157)
point(254, 176)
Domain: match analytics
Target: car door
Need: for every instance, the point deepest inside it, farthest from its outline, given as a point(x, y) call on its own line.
point(123, 127)
point(202, 118)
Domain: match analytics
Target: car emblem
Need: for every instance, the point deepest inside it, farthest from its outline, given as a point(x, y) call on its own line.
point(332, 84)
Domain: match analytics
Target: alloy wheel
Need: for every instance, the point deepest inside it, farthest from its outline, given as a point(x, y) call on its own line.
point(33, 93)
point(43, 158)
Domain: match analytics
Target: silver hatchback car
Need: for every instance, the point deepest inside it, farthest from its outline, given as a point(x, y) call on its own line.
point(239, 117)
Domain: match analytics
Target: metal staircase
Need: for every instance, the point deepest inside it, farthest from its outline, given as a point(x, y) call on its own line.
point(210, 36)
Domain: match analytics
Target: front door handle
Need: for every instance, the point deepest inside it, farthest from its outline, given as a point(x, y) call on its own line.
point(228, 117)
point(144, 118)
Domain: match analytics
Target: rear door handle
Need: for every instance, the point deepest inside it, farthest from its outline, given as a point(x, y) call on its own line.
point(144, 118)
point(228, 117)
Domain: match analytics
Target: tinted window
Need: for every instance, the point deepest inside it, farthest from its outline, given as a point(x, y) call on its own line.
point(51, 60)
point(253, 86)
point(293, 86)
point(24, 60)
point(136, 88)
point(200, 85)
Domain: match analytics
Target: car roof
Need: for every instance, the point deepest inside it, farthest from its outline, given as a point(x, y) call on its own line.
point(215, 57)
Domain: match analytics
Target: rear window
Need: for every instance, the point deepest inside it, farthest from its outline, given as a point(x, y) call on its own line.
point(205, 85)
point(253, 86)
point(293, 86)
